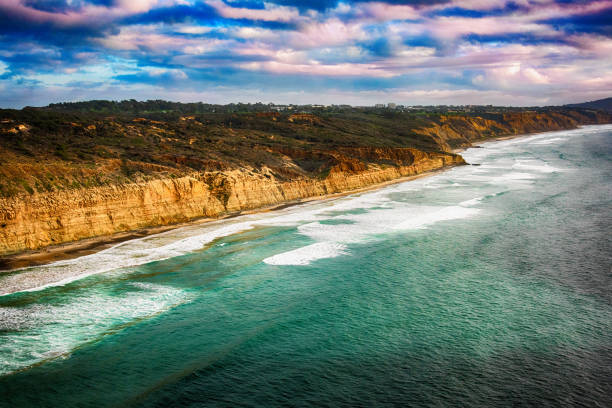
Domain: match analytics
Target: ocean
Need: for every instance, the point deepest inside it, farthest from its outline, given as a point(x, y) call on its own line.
point(484, 285)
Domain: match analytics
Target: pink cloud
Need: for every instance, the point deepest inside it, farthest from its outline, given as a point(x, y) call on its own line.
point(513, 75)
point(88, 14)
point(554, 10)
point(17, 9)
point(314, 68)
point(330, 32)
point(269, 13)
point(453, 27)
point(136, 6)
point(385, 11)
point(148, 38)
point(475, 4)
point(533, 9)
point(593, 45)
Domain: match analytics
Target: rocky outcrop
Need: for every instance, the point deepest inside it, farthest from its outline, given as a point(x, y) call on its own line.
point(42, 219)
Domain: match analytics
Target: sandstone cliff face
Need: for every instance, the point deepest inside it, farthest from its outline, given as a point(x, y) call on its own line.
point(459, 131)
point(42, 219)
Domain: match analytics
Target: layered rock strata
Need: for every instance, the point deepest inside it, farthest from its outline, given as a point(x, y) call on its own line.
point(42, 219)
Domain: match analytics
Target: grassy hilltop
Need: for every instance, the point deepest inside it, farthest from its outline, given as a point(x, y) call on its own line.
point(79, 145)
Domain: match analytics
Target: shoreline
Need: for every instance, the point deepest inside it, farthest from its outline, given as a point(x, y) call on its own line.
point(88, 246)
point(509, 137)
point(500, 139)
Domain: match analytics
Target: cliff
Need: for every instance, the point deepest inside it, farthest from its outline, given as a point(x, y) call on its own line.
point(460, 131)
point(69, 176)
point(49, 218)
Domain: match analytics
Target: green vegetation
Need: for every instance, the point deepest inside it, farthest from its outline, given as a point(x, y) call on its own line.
point(96, 143)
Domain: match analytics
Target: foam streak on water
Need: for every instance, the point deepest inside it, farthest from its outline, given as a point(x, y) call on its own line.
point(53, 330)
point(307, 254)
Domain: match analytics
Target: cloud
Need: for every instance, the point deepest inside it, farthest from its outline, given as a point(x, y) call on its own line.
point(317, 69)
point(332, 31)
point(511, 76)
point(149, 39)
point(135, 6)
point(269, 13)
point(536, 50)
point(385, 11)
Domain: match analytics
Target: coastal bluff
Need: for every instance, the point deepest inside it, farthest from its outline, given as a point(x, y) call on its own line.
point(50, 218)
point(67, 177)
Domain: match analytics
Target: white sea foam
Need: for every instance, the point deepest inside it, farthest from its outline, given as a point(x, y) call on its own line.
point(374, 223)
point(295, 216)
point(548, 141)
point(86, 317)
point(126, 254)
point(433, 215)
point(327, 232)
point(307, 254)
point(333, 238)
point(534, 165)
point(510, 179)
point(473, 201)
point(152, 248)
point(478, 200)
point(364, 201)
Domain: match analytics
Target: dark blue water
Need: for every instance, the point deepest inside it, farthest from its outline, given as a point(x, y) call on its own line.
point(486, 285)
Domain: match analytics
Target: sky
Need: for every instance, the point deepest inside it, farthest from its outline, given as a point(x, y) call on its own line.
point(501, 52)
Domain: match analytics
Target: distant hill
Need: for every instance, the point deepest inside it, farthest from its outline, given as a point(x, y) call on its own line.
point(601, 104)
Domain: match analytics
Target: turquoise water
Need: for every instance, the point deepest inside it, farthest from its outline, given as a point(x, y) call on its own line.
point(485, 285)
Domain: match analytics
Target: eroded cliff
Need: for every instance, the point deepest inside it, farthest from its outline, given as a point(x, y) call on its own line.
point(41, 219)
point(458, 131)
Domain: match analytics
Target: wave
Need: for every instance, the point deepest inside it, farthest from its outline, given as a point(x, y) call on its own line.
point(307, 254)
point(87, 317)
point(534, 165)
point(547, 141)
point(478, 200)
point(436, 215)
point(509, 179)
point(126, 254)
point(473, 201)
